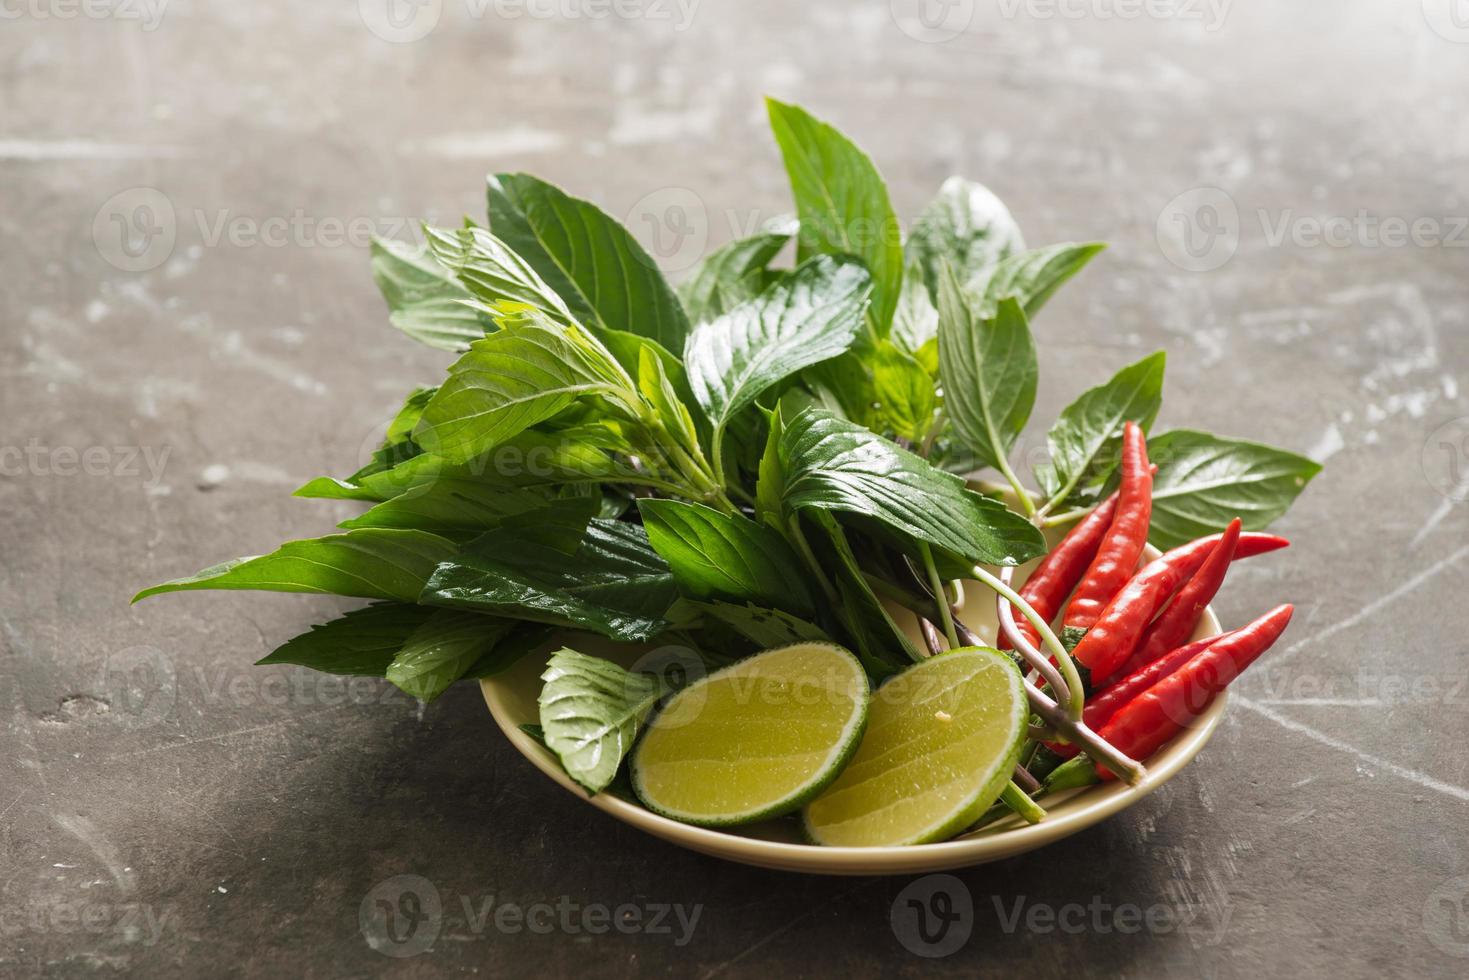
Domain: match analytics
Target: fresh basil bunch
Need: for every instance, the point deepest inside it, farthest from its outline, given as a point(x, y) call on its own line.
point(752, 459)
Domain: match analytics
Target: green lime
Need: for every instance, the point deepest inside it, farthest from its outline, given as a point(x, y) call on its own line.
point(942, 741)
point(754, 740)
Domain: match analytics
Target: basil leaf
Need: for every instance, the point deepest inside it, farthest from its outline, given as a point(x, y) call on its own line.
point(451, 507)
point(442, 650)
point(527, 372)
point(732, 274)
point(717, 556)
point(965, 226)
point(424, 300)
point(829, 463)
point(904, 392)
point(587, 257)
point(533, 458)
point(591, 711)
point(988, 367)
point(916, 320)
point(363, 642)
point(659, 390)
point(766, 628)
point(883, 648)
point(1086, 440)
point(614, 584)
point(1205, 481)
point(844, 385)
point(372, 563)
point(521, 641)
point(812, 315)
point(1032, 277)
point(842, 203)
point(491, 271)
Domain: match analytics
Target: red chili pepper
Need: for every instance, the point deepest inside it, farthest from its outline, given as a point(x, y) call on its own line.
point(1055, 577)
point(1106, 703)
point(1118, 554)
point(1114, 636)
point(1163, 710)
point(1102, 706)
point(1177, 622)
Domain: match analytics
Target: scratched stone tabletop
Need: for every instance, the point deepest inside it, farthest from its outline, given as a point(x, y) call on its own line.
point(188, 331)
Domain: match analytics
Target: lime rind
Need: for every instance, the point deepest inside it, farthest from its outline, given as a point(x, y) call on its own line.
point(988, 784)
point(822, 775)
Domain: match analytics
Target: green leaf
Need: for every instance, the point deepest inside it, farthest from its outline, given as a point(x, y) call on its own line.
point(1032, 277)
point(904, 392)
point(882, 647)
point(443, 649)
point(372, 563)
point(614, 584)
point(988, 367)
point(730, 557)
point(659, 390)
point(1205, 481)
point(732, 274)
point(1086, 440)
point(363, 642)
point(810, 316)
point(766, 628)
point(424, 300)
point(520, 642)
point(587, 257)
point(829, 463)
point(966, 227)
point(527, 372)
point(452, 507)
point(533, 458)
point(842, 203)
point(916, 320)
point(591, 711)
point(491, 271)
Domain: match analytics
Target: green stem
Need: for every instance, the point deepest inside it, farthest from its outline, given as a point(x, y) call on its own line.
point(798, 538)
point(1017, 799)
point(1069, 517)
point(1077, 700)
point(940, 595)
point(911, 601)
point(1003, 465)
point(934, 431)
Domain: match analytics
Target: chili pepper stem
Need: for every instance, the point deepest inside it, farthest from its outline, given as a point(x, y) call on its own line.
point(940, 595)
point(1097, 748)
point(1077, 694)
point(1018, 800)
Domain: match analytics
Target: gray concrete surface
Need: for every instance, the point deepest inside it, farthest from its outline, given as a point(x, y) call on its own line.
point(168, 810)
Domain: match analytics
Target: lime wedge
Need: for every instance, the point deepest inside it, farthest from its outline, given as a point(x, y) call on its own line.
point(942, 741)
point(754, 740)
